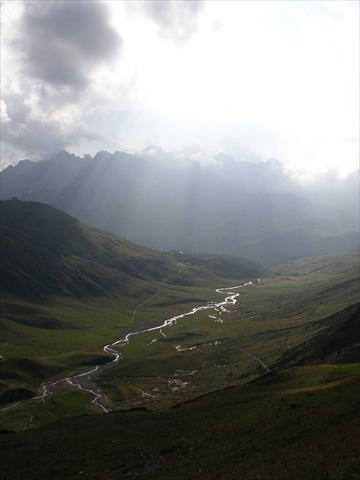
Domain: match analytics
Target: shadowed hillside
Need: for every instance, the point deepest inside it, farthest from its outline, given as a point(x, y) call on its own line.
point(47, 252)
point(297, 424)
point(338, 341)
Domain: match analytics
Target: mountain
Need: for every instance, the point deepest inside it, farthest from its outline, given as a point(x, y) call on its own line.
point(163, 201)
point(47, 252)
point(264, 388)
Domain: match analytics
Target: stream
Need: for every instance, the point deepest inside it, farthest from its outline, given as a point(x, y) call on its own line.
point(82, 381)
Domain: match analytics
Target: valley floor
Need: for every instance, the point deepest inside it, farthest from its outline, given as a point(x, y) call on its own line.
point(265, 388)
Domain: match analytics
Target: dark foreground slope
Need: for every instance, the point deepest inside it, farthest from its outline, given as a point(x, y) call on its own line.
point(297, 424)
point(337, 342)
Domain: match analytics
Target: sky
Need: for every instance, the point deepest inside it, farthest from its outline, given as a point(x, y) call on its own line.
point(257, 79)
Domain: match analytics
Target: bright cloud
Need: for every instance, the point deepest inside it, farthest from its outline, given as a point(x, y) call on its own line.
point(277, 78)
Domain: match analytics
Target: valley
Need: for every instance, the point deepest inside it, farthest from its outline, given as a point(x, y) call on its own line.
point(184, 334)
point(179, 240)
point(81, 380)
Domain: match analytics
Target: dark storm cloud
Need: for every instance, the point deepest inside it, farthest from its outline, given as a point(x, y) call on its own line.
point(36, 137)
point(62, 42)
point(175, 18)
point(25, 132)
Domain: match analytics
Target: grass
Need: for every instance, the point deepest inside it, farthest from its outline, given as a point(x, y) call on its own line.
point(300, 423)
point(269, 320)
point(207, 411)
point(196, 402)
point(282, 312)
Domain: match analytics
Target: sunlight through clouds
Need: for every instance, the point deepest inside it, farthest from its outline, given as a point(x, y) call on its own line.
point(278, 78)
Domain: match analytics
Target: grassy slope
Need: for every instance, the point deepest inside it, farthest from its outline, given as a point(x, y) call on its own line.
point(297, 424)
point(269, 319)
point(294, 423)
point(282, 312)
point(45, 252)
point(67, 290)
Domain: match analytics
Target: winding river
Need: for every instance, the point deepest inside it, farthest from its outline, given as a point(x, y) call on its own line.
point(82, 381)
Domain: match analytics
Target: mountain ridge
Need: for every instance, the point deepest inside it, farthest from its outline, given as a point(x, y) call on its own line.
point(246, 209)
point(47, 252)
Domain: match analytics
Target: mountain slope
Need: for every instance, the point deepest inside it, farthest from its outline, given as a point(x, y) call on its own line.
point(47, 252)
point(337, 342)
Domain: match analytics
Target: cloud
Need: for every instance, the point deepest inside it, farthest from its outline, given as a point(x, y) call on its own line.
point(36, 137)
point(116, 68)
point(63, 42)
point(4, 117)
point(176, 19)
point(26, 131)
point(56, 49)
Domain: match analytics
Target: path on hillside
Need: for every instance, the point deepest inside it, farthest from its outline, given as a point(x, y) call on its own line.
point(82, 381)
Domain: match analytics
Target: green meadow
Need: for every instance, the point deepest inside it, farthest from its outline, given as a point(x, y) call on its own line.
point(267, 388)
point(198, 355)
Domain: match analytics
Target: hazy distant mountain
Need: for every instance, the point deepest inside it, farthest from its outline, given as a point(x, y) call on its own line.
point(160, 200)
